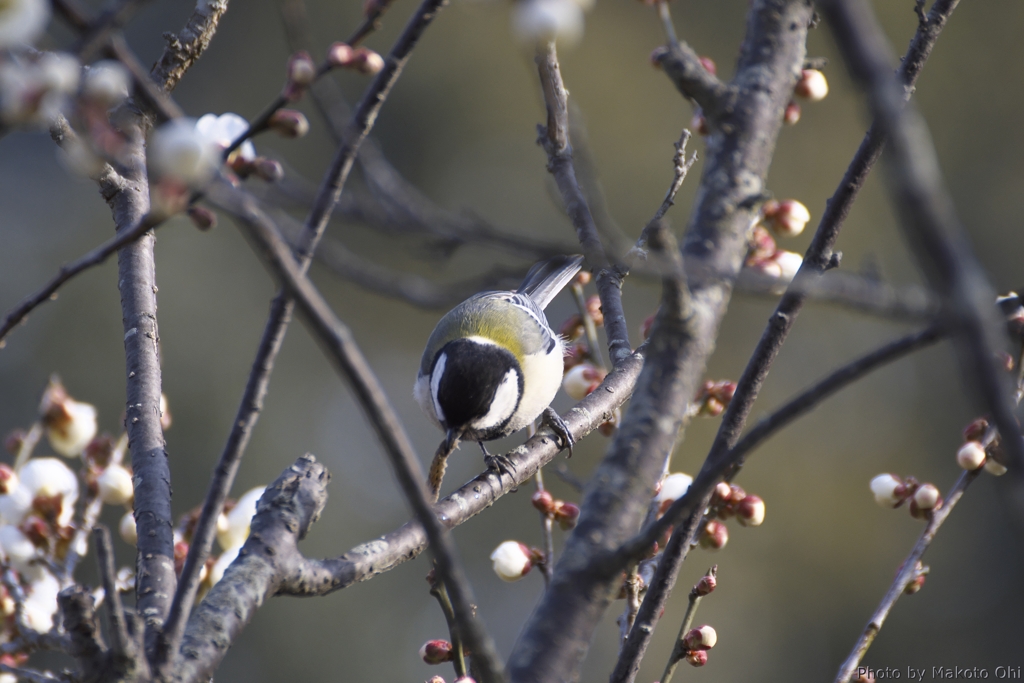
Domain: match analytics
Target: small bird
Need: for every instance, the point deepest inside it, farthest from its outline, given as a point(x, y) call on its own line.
point(493, 364)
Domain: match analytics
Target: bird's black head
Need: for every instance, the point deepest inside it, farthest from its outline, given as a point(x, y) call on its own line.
point(476, 387)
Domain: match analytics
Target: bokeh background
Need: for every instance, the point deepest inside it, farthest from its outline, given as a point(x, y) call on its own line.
point(460, 125)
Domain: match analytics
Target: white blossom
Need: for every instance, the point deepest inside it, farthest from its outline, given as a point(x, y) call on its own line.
point(534, 21)
point(107, 82)
point(50, 477)
point(17, 549)
point(224, 129)
point(673, 487)
point(21, 21)
point(885, 489)
point(15, 504)
point(179, 151)
point(41, 602)
point(115, 485)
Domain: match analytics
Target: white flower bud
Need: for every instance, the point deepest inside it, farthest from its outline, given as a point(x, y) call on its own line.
point(41, 602)
point(812, 86)
point(971, 456)
point(179, 151)
point(787, 218)
point(224, 129)
point(673, 487)
point(127, 529)
point(994, 467)
point(703, 638)
point(750, 511)
point(115, 486)
point(59, 72)
point(51, 477)
point(17, 548)
point(238, 520)
point(511, 561)
point(886, 489)
point(21, 21)
point(70, 424)
point(582, 379)
point(534, 21)
point(926, 496)
point(106, 83)
point(789, 263)
point(15, 505)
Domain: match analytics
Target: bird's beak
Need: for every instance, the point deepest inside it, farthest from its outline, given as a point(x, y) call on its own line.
point(451, 440)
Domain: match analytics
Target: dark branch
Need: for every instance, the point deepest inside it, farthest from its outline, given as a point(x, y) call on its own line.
point(280, 316)
point(930, 221)
point(554, 137)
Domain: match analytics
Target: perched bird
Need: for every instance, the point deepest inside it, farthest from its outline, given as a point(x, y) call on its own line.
point(493, 364)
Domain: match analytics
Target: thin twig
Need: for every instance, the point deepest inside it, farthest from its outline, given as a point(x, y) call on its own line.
point(547, 535)
point(589, 328)
point(66, 272)
point(439, 592)
point(554, 137)
point(666, 21)
point(280, 316)
point(906, 574)
point(679, 651)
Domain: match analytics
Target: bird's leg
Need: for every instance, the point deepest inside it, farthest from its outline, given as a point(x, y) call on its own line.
point(440, 463)
point(500, 463)
point(562, 434)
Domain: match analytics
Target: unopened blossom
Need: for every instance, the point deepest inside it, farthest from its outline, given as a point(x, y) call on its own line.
point(511, 561)
point(750, 511)
point(17, 549)
point(812, 86)
point(535, 21)
point(107, 83)
point(581, 380)
point(22, 21)
point(115, 485)
point(787, 218)
point(887, 489)
point(236, 527)
point(70, 424)
point(180, 152)
point(436, 652)
point(41, 602)
point(971, 455)
point(127, 529)
point(673, 487)
point(289, 123)
point(789, 263)
point(702, 638)
point(927, 496)
point(225, 129)
point(49, 478)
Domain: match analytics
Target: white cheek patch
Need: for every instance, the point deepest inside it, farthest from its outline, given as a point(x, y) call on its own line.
point(504, 404)
point(435, 383)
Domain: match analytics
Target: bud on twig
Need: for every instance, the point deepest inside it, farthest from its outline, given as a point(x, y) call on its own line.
point(703, 638)
point(971, 456)
point(289, 123)
point(697, 657)
point(706, 585)
point(750, 511)
point(791, 116)
point(436, 652)
point(511, 561)
point(714, 536)
point(202, 218)
point(812, 86)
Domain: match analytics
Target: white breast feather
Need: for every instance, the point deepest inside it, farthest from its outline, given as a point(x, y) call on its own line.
point(542, 375)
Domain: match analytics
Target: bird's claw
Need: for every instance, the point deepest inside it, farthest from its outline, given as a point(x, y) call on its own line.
point(563, 437)
point(501, 464)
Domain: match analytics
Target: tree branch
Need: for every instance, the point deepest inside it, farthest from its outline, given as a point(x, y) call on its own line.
point(929, 219)
point(555, 139)
point(280, 316)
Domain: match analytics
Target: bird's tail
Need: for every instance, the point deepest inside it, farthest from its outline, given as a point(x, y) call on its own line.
point(547, 278)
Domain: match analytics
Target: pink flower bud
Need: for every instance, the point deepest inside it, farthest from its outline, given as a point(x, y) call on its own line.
point(202, 218)
point(594, 310)
point(435, 679)
point(697, 657)
point(812, 86)
point(543, 501)
point(706, 585)
point(786, 218)
point(567, 515)
point(301, 69)
point(703, 638)
point(887, 489)
point(268, 169)
point(366, 61)
point(583, 278)
point(792, 114)
point(436, 652)
point(511, 561)
point(464, 679)
point(750, 511)
point(340, 55)
point(915, 585)
point(976, 430)
point(971, 456)
point(709, 65)
point(714, 536)
point(289, 123)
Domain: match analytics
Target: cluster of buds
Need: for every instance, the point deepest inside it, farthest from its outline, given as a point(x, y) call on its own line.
point(765, 257)
point(891, 491)
point(513, 560)
point(359, 59)
point(975, 454)
point(696, 644)
point(566, 514)
point(729, 500)
point(812, 86)
point(714, 397)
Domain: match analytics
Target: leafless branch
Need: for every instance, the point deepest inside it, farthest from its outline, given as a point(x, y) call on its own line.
point(280, 316)
point(188, 45)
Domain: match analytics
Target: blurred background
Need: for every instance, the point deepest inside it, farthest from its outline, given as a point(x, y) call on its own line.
point(460, 125)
